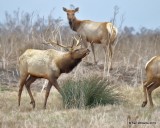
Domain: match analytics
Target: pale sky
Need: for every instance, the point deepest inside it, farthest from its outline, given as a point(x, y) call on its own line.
point(137, 13)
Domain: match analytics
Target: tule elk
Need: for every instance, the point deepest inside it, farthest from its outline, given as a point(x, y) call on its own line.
point(153, 79)
point(104, 33)
point(48, 64)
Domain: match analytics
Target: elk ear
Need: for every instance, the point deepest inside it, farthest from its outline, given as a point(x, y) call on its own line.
point(76, 10)
point(64, 9)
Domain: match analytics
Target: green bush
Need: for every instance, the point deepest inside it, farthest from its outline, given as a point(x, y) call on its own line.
point(88, 93)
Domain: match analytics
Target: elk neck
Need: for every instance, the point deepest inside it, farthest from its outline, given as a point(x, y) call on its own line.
point(74, 24)
point(67, 63)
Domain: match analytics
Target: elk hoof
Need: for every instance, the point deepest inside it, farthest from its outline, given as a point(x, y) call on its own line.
point(144, 103)
point(33, 104)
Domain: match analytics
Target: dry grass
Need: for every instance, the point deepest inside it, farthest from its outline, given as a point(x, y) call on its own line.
point(109, 116)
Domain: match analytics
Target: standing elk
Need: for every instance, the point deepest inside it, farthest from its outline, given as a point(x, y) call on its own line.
point(48, 64)
point(153, 79)
point(94, 32)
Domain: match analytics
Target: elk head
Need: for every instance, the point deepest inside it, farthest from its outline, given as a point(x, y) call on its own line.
point(75, 51)
point(71, 14)
point(71, 58)
point(79, 53)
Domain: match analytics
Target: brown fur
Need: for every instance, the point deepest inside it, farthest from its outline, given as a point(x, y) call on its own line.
point(67, 64)
point(94, 32)
point(48, 64)
point(153, 79)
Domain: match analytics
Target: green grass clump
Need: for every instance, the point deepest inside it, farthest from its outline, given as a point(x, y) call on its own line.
point(89, 93)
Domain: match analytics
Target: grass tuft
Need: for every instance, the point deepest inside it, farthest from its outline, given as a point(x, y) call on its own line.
point(88, 93)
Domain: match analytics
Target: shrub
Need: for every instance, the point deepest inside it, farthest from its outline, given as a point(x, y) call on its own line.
point(89, 93)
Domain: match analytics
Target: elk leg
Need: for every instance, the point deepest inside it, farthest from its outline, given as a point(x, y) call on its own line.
point(93, 51)
point(21, 84)
point(47, 93)
point(30, 80)
point(110, 53)
point(86, 46)
point(149, 91)
point(105, 59)
point(147, 83)
point(54, 82)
